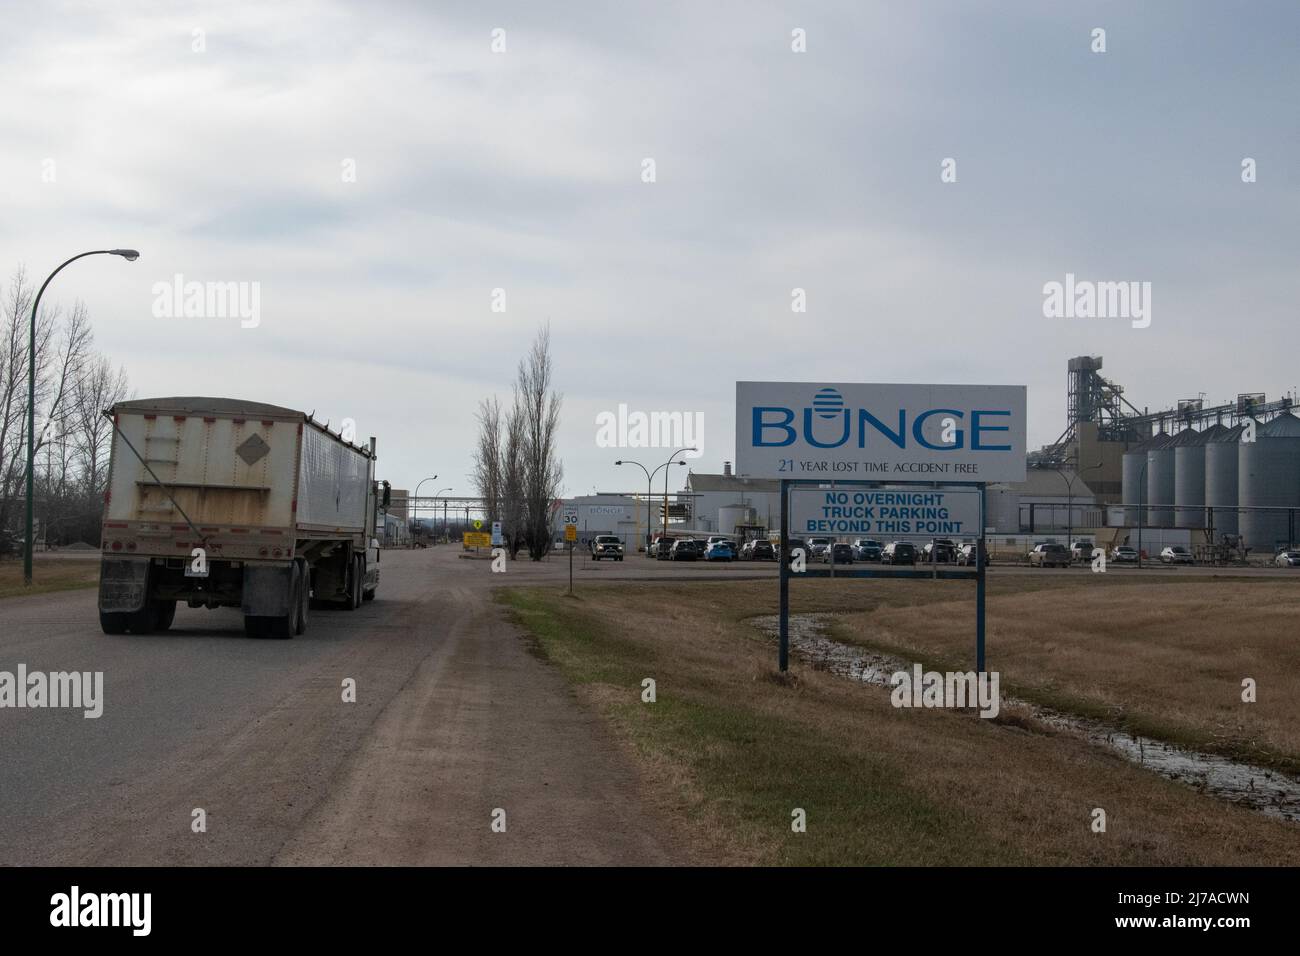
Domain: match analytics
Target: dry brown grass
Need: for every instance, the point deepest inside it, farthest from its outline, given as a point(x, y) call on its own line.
point(53, 574)
point(1166, 658)
point(730, 749)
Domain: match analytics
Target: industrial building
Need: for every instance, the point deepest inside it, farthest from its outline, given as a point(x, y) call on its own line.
point(1192, 467)
point(1219, 479)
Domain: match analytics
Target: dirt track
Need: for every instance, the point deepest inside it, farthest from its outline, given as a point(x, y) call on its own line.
point(454, 718)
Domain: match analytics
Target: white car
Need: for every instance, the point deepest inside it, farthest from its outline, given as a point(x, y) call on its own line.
point(817, 545)
point(1287, 559)
point(1176, 554)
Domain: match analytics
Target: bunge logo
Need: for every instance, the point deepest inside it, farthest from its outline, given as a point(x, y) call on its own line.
point(937, 429)
point(828, 403)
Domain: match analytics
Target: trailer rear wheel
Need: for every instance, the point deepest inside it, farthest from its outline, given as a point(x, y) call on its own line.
point(165, 614)
point(143, 621)
point(283, 626)
point(356, 583)
point(304, 598)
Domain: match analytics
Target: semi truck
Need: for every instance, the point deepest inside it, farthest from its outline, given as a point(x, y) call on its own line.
point(220, 502)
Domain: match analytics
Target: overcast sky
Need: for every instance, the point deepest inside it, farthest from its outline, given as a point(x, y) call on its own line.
point(775, 170)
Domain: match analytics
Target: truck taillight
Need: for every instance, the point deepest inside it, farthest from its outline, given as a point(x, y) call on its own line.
point(117, 545)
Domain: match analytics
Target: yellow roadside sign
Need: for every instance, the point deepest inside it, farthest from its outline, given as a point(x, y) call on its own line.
point(476, 539)
point(478, 524)
point(570, 532)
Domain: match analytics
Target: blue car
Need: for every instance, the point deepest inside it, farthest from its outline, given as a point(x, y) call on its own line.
point(720, 551)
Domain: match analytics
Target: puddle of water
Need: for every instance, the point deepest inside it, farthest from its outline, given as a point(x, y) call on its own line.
point(1268, 791)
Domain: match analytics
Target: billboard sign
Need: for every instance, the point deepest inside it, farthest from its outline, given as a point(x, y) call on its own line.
point(879, 432)
point(886, 513)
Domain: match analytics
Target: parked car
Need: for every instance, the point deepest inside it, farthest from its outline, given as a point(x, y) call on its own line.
point(1081, 550)
point(760, 549)
point(720, 550)
point(607, 546)
point(684, 550)
point(838, 553)
point(898, 552)
point(662, 549)
point(1176, 554)
point(966, 555)
point(711, 539)
point(793, 544)
point(942, 550)
point(1049, 556)
point(1287, 559)
point(1123, 554)
point(816, 546)
point(865, 549)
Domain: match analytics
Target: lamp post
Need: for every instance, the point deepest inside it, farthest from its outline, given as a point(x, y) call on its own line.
point(1069, 502)
point(415, 507)
point(130, 255)
point(649, 495)
point(1142, 507)
point(436, 496)
point(666, 470)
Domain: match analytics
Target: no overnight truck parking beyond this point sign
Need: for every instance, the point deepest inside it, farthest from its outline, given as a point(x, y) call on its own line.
point(879, 432)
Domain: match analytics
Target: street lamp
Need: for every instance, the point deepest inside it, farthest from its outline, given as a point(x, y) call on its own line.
point(666, 470)
point(415, 507)
point(649, 494)
point(130, 255)
point(1069, 502)
point(1142, 507)
point(444, 508)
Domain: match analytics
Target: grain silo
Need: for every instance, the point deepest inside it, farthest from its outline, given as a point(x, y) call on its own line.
point(1189, 476)
point(1221, 479)
point(1132, 484)
point(1160, 484)
point(1268, 475)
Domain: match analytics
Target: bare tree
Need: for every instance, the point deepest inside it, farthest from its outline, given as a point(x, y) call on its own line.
point(513, 508)
point(95, 391)
point(68, 375)
point(487, 457)
point(539, 405)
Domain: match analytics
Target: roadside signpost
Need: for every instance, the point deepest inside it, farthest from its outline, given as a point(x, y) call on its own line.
point(477, 539)
point(497, 538)
point(880, 460)
point(570, 539)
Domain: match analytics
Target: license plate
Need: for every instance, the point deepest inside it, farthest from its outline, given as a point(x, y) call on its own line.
point(191, 573)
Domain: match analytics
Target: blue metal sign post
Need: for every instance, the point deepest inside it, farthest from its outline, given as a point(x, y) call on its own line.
point(784, 572)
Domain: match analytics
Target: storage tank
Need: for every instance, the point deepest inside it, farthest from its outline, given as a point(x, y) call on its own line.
point(1221, 479)
point(1268, 475)
point(1189, 476)
point(1160, 485)
point(731, 515)
point(1132, 489)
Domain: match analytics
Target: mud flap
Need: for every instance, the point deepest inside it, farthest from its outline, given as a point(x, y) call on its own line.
point(123, 584)
point(267, 590)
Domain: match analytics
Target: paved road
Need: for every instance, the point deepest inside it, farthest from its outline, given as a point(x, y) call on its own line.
point(454, 719)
